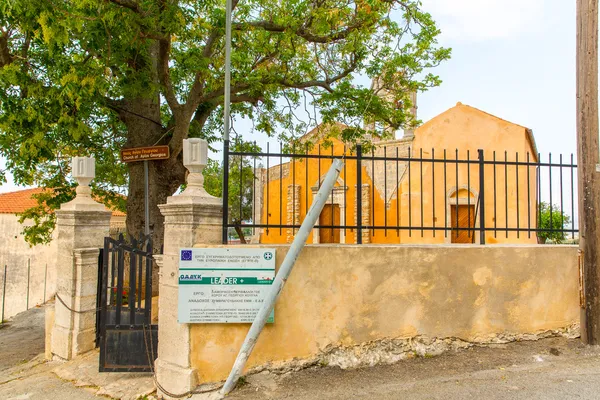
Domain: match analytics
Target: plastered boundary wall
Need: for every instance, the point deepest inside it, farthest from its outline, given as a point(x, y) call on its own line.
point(343, 296)
point(14, 253)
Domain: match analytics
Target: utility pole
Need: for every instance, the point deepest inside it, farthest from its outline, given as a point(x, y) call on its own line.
point(226, 122)
point(588, 174)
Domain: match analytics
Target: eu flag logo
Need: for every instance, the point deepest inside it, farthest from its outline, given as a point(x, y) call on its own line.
point(186, 255)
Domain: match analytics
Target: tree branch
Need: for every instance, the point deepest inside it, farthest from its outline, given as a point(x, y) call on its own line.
point(5, 57)
point(210, 42)
point(201, 115)
point(325, 84)
point(301, 32)
point(208, 105)
point(130, 4)
point(164, 52)
point(246, 98)
point(198, 86)
point(25, 66)
point(203, 112)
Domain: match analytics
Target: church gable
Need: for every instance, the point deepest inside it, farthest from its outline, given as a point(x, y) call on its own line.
point(465, 127)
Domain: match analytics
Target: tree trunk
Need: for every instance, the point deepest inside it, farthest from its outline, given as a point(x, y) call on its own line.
point(142, 118)
point(240, 233)
point(163, 182)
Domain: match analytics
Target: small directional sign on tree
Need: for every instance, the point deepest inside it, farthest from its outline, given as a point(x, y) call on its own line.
point(145, 154)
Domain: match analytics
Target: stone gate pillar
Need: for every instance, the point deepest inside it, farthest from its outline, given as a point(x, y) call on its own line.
point(191, 217)
point(81, 226)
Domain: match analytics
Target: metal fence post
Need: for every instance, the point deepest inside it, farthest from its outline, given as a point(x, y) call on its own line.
point(225, 190)
point(358, 194)
point(481, 197)
point(3, 294)
point(28, 277)
point(99, 291)
point(45, 280)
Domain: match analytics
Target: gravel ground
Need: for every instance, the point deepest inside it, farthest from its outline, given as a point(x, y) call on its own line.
point(555, 368)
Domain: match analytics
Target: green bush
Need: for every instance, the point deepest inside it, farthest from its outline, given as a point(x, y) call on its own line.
point(558, 220)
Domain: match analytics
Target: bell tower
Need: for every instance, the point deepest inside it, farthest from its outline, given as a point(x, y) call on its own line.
point(377, 87)
point(409, 133)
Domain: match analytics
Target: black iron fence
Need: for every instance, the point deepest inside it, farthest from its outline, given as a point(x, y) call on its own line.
point(391, 193)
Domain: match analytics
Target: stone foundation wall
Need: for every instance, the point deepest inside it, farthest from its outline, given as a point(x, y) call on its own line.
point(347, 301)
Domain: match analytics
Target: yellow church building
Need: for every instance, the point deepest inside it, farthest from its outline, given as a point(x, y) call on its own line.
point(413, 189)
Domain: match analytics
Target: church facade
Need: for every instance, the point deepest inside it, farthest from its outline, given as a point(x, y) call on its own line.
point(413, 189)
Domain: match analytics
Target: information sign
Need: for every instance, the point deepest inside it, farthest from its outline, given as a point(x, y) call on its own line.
point(223, 285)
point(145, 154)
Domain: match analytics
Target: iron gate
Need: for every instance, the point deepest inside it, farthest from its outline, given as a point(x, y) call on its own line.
point(128, 339)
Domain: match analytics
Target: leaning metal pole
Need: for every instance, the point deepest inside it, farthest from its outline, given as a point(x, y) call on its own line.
point(282, 275)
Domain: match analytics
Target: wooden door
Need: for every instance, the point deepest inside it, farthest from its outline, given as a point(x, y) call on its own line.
point(331, 212)
point(466, 219)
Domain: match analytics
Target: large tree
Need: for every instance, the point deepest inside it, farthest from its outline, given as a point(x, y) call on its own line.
point(92, 76)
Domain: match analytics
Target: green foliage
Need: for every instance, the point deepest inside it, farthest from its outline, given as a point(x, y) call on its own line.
point(213, 178)
point(42, 216)
point(88, 77)
point(245, 232)
point(554, 220)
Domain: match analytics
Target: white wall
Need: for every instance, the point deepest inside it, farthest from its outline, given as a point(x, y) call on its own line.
point(15, 254)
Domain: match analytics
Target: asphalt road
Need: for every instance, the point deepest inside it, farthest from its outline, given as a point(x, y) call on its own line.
point(555, 368)
point(22, 338)
point(24, 374)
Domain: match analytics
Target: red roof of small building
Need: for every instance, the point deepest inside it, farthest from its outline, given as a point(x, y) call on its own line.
point(19, 201)
point(22, 200)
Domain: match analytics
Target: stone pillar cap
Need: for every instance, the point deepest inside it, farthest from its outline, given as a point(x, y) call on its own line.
point(195, 158)
point(83, 169)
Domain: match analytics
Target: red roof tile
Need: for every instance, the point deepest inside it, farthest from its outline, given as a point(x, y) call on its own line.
point(19, 201)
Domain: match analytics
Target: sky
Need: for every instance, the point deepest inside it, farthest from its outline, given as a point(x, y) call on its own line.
point(512, 58)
